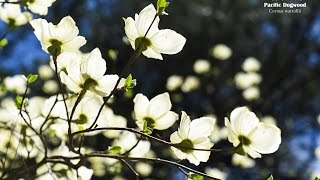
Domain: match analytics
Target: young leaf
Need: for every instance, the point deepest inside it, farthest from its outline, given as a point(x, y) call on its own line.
point(19, 101)
point(270, 178)
point(3, 42)
point(196, 177)
point(114, 150)
point(161, 6)
point(32, 78)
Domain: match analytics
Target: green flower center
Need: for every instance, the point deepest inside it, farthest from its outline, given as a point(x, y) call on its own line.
point(55, 48)
point(142, 43)
point(244, 140)
point(185, 146)
point(82, 119)
point(150, 122)
point(88, 83)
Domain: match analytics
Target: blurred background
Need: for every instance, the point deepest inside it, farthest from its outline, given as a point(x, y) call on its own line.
point(280, 82)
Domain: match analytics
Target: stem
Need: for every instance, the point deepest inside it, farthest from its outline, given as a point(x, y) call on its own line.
point(156, 160)
point(226, 151)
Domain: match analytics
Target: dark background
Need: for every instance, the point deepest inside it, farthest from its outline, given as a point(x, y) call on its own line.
point(287, 46)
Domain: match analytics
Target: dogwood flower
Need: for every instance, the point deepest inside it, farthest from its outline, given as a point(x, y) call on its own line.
point(251, 64)
point(254, 137)
point(193, 134)
point(12, 15)
point(155, 113)
point(89, 75)
point(39, 6)
point(156, 41)
point(61, 37)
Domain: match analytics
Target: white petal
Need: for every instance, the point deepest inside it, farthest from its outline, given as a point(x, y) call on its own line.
point(70, 83)
point(65, 31)
point(232, 137)
point(193, 159)
point(266, 139)
point(41, 30)
point(151, 53)
point(251, 152)
point(166, 120)
point(159, 106)
point(145, 19)
point(95, 66)
point(74, 44)
point(141, 103)
point(130, 28)
point(175, 138)
point(184, 127)
point(203, 156)
point(106, 84)
point(167, 41)
point(243, 121)
point(201, 127)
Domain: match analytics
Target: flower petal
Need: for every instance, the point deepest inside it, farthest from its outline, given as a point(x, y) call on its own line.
point(151, 53)
point(65, 31)
point(203, 156)
point(184, 127)
point(94, 66)
point(145, 19)
point(201, 127)
point(74, 44)
point(243, 121)
point(167, 41)
point(166, 120)
point(159, 106)
point(130, 29)
point(266, 139)
point(175, 138)
point(41, 30)
point(251, 152)
point(106, 84)
point(232, 137)
point(141, 104)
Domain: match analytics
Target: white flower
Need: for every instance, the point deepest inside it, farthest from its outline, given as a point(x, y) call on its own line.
point(45, 72)
point(157, 41)
point(255, 137)
point(221, 52)
point(50, 87)
point(89, 74)
point(243, 161)
point(12, 15)
point(245, 80)
point(16, 84)
point(144, 169)
point(174, 82)
point(39, 6)
point(201, 66)
point(193, 134)
point(251, 64)
point(214, 172)
point(269, 120)
point(251, 93)
point(156, 112)
point(190, 83)
point(64, 34)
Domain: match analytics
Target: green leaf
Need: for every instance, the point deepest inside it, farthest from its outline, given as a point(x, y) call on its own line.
point(129, 83)
point(270, 178)
point(196, 177)
point(32, 78)
point(161, 6)
point(112, 54)
point(3, 42)
point(316, 178)
point(114, 150)
point(19, 101)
